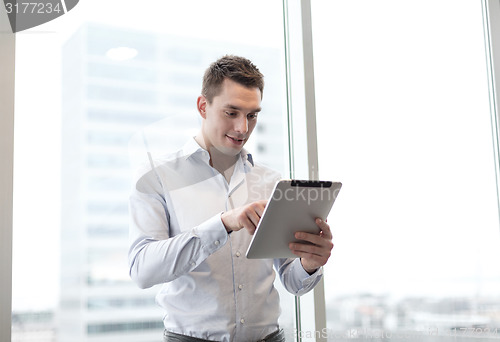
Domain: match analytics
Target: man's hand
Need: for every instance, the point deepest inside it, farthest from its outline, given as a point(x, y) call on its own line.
point(314, 255)
point(247, 217)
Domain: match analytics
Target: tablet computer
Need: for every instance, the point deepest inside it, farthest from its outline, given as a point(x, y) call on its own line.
point(293, 206)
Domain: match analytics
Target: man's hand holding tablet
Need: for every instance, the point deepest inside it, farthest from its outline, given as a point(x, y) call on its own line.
point(313, 254)
point(316, 252)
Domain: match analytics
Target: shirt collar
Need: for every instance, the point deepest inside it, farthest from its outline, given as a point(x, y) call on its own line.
point(246, 157)
point(192, 147)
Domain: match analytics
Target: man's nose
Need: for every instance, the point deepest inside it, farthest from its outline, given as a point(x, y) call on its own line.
point(242, 125)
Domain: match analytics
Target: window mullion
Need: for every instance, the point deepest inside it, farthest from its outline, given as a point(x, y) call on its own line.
point(302, 124)
point(7, 60)
point(491, 24)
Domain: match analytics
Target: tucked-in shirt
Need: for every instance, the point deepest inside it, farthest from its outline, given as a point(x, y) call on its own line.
point(211, 290)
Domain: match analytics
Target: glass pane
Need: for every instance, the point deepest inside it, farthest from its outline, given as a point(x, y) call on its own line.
point(403, 122)
point(93, 87)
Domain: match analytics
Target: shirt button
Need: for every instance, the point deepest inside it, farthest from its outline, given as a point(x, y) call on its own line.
point(238, 254)
point(192, 263)
point(240, 286)
point(242, 321)
point(217, 242)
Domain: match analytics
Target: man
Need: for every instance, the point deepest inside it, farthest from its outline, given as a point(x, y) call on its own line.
point(193, 214)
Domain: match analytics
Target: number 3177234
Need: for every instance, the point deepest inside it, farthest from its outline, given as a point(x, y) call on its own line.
point(33, 8)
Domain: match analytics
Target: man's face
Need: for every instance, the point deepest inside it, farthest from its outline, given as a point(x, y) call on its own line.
point(231, 117)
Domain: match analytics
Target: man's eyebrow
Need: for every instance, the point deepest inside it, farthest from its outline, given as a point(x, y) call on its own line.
point(233, 107)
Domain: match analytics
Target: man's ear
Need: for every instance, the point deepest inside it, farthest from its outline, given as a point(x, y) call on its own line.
point(201, 104)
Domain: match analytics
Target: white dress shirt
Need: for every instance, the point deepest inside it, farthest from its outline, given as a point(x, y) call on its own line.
point(211, 290)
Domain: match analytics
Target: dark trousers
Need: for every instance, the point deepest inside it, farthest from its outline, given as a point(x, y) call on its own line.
point(168, 336)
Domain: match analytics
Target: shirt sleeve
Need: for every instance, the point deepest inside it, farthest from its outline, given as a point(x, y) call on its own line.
point(154, 256)
point(294, 278)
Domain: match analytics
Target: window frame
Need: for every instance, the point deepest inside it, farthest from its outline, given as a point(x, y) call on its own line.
point(7, 60)
point(491, 24)
point(301, 111)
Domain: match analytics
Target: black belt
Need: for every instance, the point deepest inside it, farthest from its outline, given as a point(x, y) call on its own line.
point(168, 336)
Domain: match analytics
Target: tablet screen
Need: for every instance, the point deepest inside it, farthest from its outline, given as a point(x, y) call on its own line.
point(294, 206)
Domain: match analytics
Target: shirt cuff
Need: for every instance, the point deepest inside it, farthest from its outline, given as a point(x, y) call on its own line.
point(306, 278)
point(212, 234)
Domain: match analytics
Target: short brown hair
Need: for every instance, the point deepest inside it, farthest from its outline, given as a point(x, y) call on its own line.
point(235, 68)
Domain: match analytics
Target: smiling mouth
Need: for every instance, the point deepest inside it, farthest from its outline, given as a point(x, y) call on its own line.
point(236, 140)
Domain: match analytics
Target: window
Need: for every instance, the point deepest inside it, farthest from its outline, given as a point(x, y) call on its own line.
point(401, 99)
point(82, 106)
point(403, 121)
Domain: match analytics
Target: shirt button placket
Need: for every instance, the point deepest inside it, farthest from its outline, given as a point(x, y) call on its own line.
point(238, 285)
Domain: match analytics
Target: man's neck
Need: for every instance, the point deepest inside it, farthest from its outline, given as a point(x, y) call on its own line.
point(223, 163)
point(220, 161)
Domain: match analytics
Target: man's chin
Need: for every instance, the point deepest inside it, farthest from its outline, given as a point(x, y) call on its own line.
point(231, 151)
point(228, 151)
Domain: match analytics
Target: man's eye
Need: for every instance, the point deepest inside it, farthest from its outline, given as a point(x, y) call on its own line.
point(252, 116)
point(230, 113)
